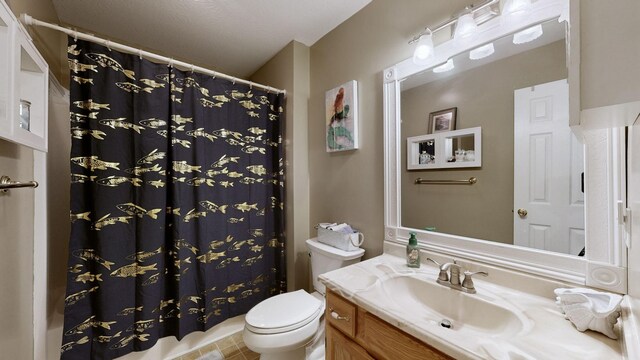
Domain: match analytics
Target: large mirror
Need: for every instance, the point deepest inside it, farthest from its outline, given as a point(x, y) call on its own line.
point(519, 198)
point(529, 188)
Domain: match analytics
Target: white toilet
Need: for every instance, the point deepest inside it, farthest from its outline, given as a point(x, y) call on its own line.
point(282, 326)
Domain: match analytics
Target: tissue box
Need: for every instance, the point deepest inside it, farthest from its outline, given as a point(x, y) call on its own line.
point(346, 242)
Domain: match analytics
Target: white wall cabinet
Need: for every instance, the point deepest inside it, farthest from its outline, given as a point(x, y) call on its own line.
point(447, 149)
point(24, 78)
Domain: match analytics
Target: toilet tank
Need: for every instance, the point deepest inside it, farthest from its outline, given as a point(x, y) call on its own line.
point(325, 258)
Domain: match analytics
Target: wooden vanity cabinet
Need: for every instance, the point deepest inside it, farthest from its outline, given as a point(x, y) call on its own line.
point(355, 334)
point(340, 347)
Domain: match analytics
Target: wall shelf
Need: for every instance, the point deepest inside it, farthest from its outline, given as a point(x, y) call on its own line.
point(447, 149)
point(24, 76)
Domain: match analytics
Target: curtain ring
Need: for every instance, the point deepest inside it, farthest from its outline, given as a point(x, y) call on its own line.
point(75, 35)
point(107, 43)
point(170, 63)
point(250, 86)
point(192, 68)
point(140, 53)
point(234, 81)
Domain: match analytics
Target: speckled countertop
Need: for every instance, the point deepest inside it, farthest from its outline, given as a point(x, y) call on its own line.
point(536, 328)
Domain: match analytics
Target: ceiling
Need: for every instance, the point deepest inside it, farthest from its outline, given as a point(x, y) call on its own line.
point(233, 36)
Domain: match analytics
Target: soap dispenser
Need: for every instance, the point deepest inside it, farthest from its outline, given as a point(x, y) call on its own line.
point(413, 253)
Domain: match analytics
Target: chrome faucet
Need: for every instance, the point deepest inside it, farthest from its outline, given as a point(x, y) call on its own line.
point(454, 272)
point(450, 276)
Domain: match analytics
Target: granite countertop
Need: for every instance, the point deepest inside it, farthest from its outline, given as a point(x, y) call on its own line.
point(536, 329)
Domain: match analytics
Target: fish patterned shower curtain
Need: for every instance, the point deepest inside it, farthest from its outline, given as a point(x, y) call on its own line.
point(177, 189)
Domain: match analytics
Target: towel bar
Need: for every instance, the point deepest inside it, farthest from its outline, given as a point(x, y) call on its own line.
point(471, 181)
point(6, 184)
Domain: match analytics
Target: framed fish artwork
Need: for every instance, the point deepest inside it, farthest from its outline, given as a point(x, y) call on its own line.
point(341, 116)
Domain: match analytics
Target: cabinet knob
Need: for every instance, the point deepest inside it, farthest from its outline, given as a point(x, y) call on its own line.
point(337, 316)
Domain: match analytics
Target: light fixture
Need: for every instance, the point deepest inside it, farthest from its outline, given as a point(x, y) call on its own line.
point(448, 66)
point(465, 26)
point(481, 52)
point(424, 50)
point(516, 7)
point(527, 35)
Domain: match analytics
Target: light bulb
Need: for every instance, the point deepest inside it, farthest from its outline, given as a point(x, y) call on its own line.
point(444, 67)
point(527, 35)
point(481, 52)
point(465, 26)
point(424, 50)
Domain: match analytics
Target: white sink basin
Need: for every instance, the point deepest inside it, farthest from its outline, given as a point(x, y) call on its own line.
point(432, 303)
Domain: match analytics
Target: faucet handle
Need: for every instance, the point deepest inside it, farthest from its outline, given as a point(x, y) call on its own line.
point(467, 282)
point(442, 276)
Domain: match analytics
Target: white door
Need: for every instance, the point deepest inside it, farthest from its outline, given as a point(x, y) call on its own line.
point(548, 167)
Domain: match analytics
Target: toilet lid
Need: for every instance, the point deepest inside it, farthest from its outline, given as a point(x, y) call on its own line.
point(284, 312)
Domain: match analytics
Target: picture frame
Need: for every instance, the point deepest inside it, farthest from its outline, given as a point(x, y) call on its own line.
point(443, 120)
point(341, 117)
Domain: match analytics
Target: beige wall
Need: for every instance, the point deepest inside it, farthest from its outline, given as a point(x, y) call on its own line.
point(484, 210)
point(16, 258)
point(289, 70)
point(610, 49)
point(348, 186)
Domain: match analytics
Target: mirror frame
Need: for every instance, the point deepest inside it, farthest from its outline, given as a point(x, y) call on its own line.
point(604, 265)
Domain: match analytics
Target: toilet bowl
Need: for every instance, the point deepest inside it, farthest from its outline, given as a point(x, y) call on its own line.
point(283, 326)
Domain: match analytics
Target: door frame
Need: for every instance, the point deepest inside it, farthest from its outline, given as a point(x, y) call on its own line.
point(40, 246)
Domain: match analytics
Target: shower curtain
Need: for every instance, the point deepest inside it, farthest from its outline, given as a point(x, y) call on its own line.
point(177, 192)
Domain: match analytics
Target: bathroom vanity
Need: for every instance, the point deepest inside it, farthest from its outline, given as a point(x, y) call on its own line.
point(358, 334)
point(381, 309)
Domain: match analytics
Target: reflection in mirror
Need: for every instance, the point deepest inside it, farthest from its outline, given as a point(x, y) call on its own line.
point(529, 189)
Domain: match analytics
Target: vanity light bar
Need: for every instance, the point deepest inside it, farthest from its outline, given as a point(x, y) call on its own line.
point(473, 8)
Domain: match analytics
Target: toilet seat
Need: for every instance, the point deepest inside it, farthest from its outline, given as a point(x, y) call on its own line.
point(284, 312)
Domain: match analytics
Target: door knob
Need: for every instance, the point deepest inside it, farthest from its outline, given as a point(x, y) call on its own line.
point(522, 212)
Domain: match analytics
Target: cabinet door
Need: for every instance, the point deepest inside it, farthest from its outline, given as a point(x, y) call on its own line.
point(388, 343)
point(339, 347)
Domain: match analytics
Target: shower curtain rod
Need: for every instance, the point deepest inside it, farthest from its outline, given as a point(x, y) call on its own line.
point(29, 20)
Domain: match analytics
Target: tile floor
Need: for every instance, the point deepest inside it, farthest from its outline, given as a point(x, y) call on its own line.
point(231, 347)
